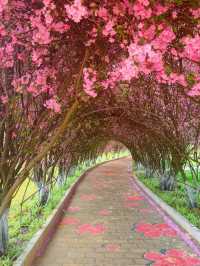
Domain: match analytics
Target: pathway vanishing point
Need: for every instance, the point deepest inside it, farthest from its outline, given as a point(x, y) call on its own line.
point(109, 222)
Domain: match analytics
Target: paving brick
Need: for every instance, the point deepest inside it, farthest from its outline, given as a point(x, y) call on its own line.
point(114, 241)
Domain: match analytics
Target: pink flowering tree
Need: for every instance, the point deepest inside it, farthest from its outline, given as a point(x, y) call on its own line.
point(58, 56)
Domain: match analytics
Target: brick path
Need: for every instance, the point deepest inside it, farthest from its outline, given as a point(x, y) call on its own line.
point(109, 223)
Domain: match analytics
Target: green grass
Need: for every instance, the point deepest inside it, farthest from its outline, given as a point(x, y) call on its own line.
point(23, 225)
point(176, 199)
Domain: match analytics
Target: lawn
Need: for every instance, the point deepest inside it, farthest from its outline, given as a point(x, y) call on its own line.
point(176, 199)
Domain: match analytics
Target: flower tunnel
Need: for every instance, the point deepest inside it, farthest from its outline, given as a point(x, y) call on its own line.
point(76, 74)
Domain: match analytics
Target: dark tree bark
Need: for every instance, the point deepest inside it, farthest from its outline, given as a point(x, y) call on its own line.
point(4, 232)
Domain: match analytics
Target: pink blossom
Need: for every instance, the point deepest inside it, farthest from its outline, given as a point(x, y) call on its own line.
point(33, 90)
point(46, 2)
point(146, 58)
point(128, 69)
point(76, 11)
point(53, 105)
point(42, 35)
point(119, 9)
point(60, 27)
point(3, 4)
point(195, 91)
point(4, 99)
point(164, 39)
point(144, 2)
point(103, 13)
point(175, 78)
point(160, 9)
point(195, 13)
point(48, 18)
point(141, 11)
point(192, 48)
point(2, 31)
point(109, 29)
point(149, 33)
point(174, 15)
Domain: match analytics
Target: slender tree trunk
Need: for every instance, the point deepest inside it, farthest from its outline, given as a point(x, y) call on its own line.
point(149, 172)
point(167, 182)
point(72, 171)
point(4, 232)
point(43, 191)
point(47, 146)
point(61, 178)
point(192, 196)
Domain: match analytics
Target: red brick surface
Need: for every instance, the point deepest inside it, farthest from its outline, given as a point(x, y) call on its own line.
point(104, 226)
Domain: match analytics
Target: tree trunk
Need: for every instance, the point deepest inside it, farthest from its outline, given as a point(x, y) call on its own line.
point(4, 232)
point(167, 182)
point(149, 172)
point(72, 171)
point(61, 178)
point(192, 195)
point(47, 146)
point(43, 191)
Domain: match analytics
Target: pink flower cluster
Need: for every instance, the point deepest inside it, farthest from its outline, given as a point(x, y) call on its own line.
point(3, 4)
point(192, 48)
point(4, 99)
point(149, 33)
point(41, 33)
point(160, 9)
point(146, 58)
point(109, 31)
point(128, 69)
point(53, 105)
point(76, 11)
point(196, 13)
point(60, 27)
point(195, 91)
point(141, 9)
point(164, 39)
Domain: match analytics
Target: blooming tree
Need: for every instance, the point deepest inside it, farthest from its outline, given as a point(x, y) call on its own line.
point(56, 57)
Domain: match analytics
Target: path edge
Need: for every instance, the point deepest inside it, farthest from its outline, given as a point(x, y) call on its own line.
point(180, 220)
point(38, 243)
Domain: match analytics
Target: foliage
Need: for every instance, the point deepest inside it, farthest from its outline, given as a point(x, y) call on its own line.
point(176, 199)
